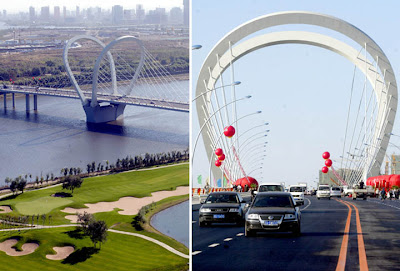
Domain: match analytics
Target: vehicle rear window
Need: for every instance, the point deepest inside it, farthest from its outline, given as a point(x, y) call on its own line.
point(270, 188)
point(272, 201)
point(221, 198)
point(323, 188)
point(335, 189)
point(296, 189)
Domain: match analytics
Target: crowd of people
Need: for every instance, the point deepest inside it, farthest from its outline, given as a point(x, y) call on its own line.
point(387, 193)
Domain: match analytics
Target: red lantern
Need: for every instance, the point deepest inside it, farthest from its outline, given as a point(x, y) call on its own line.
point(326, 155)
point(218, 152)
point(325, 169)
point(328, 162)
point(33, 78)
point(217, 163)
point(10, 79)
point(229, 131)
point(221, 157)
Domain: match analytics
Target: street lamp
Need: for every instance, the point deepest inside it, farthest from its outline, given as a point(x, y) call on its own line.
point(196, 47)
point(201, 94)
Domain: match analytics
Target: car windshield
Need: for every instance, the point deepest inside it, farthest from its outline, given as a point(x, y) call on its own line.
point(323, 188)
point(221, 198)
point(335, 189)
point(270, 188)
point(272, 201)
point(296, 189)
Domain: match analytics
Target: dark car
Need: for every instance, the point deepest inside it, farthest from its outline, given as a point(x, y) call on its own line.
point(273, 211)
point(222, 207)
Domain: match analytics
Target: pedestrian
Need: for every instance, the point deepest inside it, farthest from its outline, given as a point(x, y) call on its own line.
point(396, 194)
point(383, 194)
point(239, 187)
point(388, 195)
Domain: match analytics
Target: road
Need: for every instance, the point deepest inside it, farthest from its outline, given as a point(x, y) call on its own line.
point(323, 244)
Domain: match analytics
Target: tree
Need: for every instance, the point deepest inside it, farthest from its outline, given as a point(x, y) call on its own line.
point(97, 231)
point(21, 185)
point(13, 186)
point(85, 219)
point(71, 182)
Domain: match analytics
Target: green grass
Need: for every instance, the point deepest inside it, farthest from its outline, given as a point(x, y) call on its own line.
point(41, 205)
point(120, 252)
point(96, 189)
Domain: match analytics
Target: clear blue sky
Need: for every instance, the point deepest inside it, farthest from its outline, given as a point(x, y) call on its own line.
point(306, 108)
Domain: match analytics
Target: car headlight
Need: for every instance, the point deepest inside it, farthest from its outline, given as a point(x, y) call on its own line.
point(253, 216)
point(233, 210)
point(205, 210)
point(289, 216)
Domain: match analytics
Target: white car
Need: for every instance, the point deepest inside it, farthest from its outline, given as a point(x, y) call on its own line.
point(297, 193)
point(270, 187)
point(336, 192)
point(323, 191)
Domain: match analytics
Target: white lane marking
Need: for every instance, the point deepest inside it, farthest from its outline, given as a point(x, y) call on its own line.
point(309, 203)
point(213, 245)
point(239, 234)
point(194, 221)
point(196, 252)
point(381, 202)
point(228, 239)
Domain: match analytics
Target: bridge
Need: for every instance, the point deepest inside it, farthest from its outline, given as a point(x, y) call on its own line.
point(114, 81)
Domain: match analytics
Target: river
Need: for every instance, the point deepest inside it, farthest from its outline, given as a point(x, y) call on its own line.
point(58, 136)
point(174, 222)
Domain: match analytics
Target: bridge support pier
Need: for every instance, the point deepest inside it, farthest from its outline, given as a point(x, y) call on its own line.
point(5, 100)
point(103, 113)
point(35, 102)
point(27, 103)
point(13, 99)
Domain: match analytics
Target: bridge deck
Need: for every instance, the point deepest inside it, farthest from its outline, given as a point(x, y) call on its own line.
point(102, 97)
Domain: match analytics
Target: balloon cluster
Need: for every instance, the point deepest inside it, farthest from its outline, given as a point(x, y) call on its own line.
point(221, 157)
point(328, 162)
point(229, 131)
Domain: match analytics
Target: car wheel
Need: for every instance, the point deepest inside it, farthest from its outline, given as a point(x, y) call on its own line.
point(248, 232)
point(354, 198)
point(329, 198)
point(317, 198)
point(297, 230)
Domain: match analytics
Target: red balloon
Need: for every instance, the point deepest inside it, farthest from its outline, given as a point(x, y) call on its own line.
point(325, 169)
point(328, 162)
point(326, 155)
point(10, 79)
point(218, 151)
point(221, 157)
point(229, 131)
point(217, 163)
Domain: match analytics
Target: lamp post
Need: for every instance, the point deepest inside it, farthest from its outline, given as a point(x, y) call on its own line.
point(202, 94)
point(196, 47)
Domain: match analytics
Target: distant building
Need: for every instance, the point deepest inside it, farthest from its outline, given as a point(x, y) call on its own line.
point(117, 14)
point(4, 13)
point(64, 12)
point(140, 13)
point(45, 13)
point(176, 15)
point(57, 14)
point(77, 12)
point(32, 14)
point(157, 16)
point(186, 11)
point(395, 164)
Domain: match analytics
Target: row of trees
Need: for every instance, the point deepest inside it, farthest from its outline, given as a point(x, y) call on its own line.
point(16, 184)
point(9, 221)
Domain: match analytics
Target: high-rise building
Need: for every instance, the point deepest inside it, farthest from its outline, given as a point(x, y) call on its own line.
point(64, 12)
point(186, 11)
point(176, 15)
point(140, 13)
point(77, 12)
point(57, 14)
point(395, 165)
point(4, 13)
point(45, 13)
point(32, 14)
point(117, 14)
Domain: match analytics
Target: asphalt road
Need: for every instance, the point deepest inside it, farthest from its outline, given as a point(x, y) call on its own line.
point(373, 242)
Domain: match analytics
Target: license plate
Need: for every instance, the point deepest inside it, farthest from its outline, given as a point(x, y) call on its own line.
point(271, 223)
point(219, 216)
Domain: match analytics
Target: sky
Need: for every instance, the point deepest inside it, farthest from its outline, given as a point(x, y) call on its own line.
point(303, 91)
point(23, 5)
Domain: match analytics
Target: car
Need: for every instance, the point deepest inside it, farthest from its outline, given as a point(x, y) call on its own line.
point(222, 207)
point(336, 192)
point(297, 192)
point(270, 187)
point(273, 211)
point(323, 191)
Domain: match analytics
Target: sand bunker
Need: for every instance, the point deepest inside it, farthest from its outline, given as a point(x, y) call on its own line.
point(62, 253)
point(5, 209)
point(128, 205)
point(27, 248)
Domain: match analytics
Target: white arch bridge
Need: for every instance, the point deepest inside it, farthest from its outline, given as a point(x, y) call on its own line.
point(217, 107)
point(113, 79)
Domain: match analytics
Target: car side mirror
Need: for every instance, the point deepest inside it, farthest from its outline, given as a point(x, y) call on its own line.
point(247, 205)
point(297, 204)
point(202, 201)
point(243, 201)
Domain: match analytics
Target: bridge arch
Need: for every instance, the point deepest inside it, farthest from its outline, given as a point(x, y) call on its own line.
point(106, 50)
point(224, 54)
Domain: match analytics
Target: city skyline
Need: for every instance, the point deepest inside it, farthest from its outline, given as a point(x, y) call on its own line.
point(24, 5)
